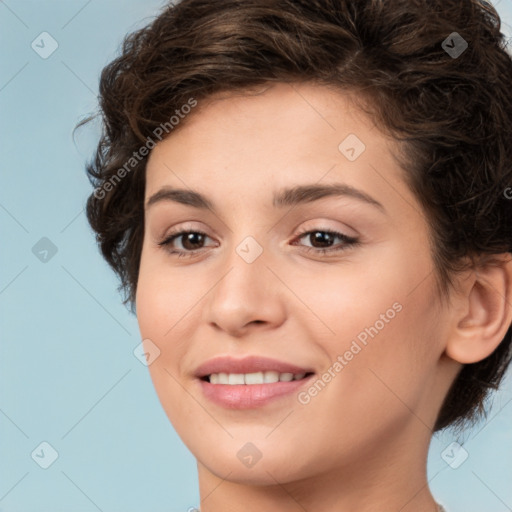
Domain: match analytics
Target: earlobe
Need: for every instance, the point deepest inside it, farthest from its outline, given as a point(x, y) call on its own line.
point(487, 312)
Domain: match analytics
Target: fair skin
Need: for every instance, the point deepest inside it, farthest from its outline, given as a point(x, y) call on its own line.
point(362, 442)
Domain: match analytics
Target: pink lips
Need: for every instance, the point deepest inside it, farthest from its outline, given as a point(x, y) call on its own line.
point(243, 396)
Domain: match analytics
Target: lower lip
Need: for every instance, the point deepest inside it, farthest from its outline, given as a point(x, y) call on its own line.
point(249, 396)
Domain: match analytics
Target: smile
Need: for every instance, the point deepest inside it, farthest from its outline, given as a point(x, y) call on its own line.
point(249, 382)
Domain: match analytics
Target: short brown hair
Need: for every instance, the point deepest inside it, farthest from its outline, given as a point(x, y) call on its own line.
point(452, 111)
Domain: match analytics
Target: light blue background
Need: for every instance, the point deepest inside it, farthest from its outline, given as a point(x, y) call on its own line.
point(68, 373)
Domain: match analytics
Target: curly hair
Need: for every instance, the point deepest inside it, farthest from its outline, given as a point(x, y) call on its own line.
point(450, 111)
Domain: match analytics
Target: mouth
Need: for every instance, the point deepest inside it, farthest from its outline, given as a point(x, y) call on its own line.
point(250, 382)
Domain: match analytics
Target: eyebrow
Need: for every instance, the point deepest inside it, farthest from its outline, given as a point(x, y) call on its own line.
point(286, 197)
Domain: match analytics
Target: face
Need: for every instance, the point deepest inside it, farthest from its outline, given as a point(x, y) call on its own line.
point(273, 273)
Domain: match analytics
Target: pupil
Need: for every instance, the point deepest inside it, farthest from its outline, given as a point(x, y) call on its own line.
point(189, 238)
point(322, 237)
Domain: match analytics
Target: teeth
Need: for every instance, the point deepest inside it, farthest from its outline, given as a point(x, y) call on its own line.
point(236, 378)
point(270, 377)
point(254, 378)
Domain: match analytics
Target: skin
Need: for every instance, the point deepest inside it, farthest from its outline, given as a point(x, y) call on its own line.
point(362, 442)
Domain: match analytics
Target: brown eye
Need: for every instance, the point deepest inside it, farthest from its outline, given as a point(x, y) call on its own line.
point(323, 238)
point(191, 242)
point(322, 241)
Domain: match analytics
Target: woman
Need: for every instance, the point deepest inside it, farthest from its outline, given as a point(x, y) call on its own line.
point(308, 205)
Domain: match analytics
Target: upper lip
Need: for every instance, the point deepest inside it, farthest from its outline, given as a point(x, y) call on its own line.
point(250, 364)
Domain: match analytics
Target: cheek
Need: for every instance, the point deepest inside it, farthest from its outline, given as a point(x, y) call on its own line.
point(162, 301)
point(379, 361)
point(161, 304)
point(166, 297)
point(383, 316)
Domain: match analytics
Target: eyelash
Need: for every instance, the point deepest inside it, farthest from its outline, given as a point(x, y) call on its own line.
point(347, 242)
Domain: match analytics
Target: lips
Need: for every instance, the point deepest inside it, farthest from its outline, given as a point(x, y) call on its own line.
point(249, 382)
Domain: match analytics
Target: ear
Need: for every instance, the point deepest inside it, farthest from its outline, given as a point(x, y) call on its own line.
point(484, 312)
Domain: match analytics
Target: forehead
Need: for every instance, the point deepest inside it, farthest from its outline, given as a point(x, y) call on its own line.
point(278, 118)
point(250, 144)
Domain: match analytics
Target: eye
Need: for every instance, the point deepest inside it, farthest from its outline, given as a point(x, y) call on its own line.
point(191, 242)
point(324, 238)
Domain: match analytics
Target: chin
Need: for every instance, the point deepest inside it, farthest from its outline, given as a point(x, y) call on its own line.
point(263, 473)
point(258, 463)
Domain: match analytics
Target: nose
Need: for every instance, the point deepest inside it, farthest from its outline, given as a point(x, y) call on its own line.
point(247, 296)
